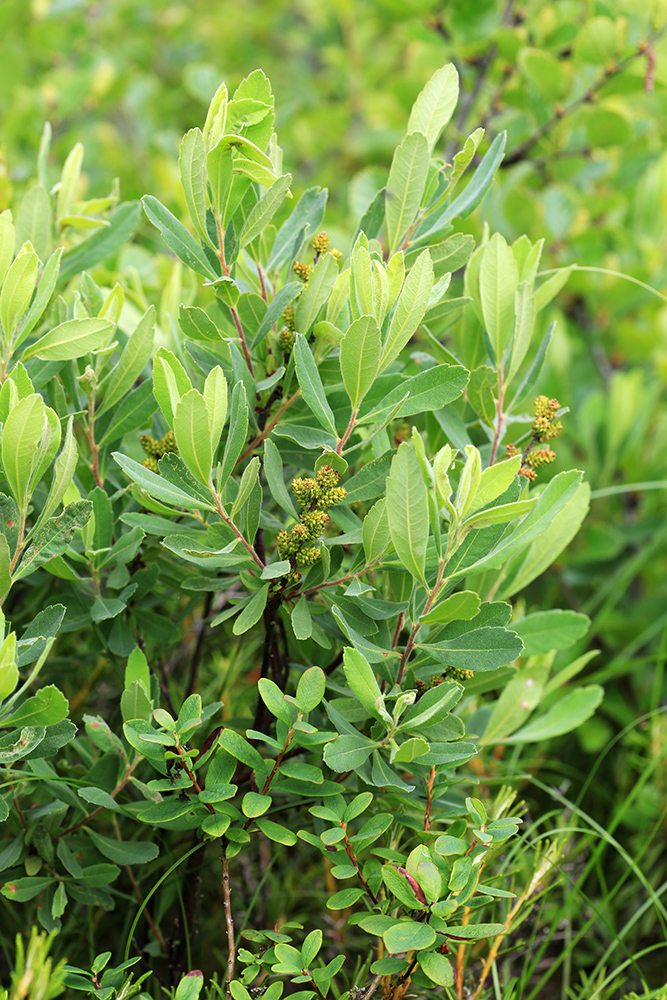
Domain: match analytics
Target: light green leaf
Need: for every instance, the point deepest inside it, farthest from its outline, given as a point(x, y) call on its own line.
point(566, 715)
point(193, 435)
point(517, 701)
point(33, 221)
point(71, 339)
point(261, 214)
point(310, 689)
point(550, 288)
point(486, 648)
point(135, 356)
point(362, 682)
point(407, 509)
point(498, 281)
point(437, 967)
point(360, 351)
point(21, 438)
point(462, 606)
point(408, 935)
point(17, 291)
point(501, 514)
point(410, 308)
point(435, 105)
point(525, 312)
point(302, 622)
point(316, 293)
point(63, 473)
point(7, 242)
point(69, 180)
point(191, 162)
point(159, 487)
point(405, 187)
point(546, 631)
point(495, 480)
point(170, 382)
point(215, 397)
point(347, 752)
point(47, 284)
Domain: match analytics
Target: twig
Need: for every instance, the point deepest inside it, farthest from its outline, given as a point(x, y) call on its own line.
point(91, 438)
point(269, 427)
point(429, 799)
point(416, 625)
point(521, 152)
point(372, 988)
point(350, 427)
point(227, 906)
point(230, 524)
point(232, 309)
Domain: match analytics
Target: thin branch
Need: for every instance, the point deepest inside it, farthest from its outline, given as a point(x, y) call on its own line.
point(230, 524)
point(269, 427)
point(350, 427)
point(590, 95)
point(227, 907)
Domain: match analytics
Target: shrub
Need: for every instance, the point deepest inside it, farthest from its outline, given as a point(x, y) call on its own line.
point(293, 507)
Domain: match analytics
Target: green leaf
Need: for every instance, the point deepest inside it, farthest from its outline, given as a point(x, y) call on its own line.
point(274, 700)
point(525, 312)
point(275, 832)
point(191, 164)
point(482, 649)
point(124, 852)
point(190, 986)
point(435, 105)
point(306, 218)
point(437, 967)
point(495, 480)
point(532, 375)
point(310, 689)
point(407, 509)
point(102, 244)
point(501, 514)
point(254, 805)
point(362, 681)
point(252, 612)
point(550, 630)
point(553, 498)
point(430, 390)
point(302, 622)
point(46, 708)
point(310, 382)
point(567, 714)
point(170, 382)
point(33, 221)
point(273, 470)
point(550, 288)
point(345, 753)
point(410, 308)
point(548, 74)
point(134, 701)
point(17, 291)
point(237, 436)
point(517, 701)
point(375, 531)
point(474, 932)
point(316, 293)
point(7, 242)
point(277, 306)
point(408, 935)
point(45, 288)
point(23, 889)
point(477, 187)
point(405, 187)
point(135, 356)
point(157, 486)
point(360, 351)
point(433, 706)
point(5, 584)
point(53, 537)
point(462, 606)
point(498, 282)
point(71, 339)
point(177, 237)
point(22, 435)
point(261, 214)
point(193, 435)
point(344, 899)
point(133, 413)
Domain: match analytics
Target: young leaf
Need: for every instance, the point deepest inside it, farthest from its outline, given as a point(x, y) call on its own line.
point(407, 179)
point(498, 281)
point(410, 308)
point(435, 105)
point(316, 293)
point(260, 216)
point(17, 291)
point(193, 435)
point(191, 160)
point(252, 612)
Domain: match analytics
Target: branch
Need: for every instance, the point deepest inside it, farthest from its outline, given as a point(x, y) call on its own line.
point(269, 427)
point(227, 907)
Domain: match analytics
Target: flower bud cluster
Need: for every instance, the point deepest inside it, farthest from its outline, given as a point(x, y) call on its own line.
point(286, 340)
point(156, 449)
point(545, 425)
point(458, 674)
point(314, 496)
point(289, 318)
point(302, 271)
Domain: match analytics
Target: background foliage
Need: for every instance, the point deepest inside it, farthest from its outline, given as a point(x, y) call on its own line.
point(587, 82)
